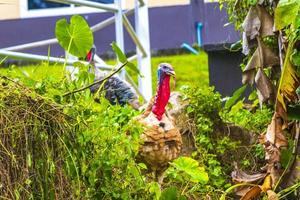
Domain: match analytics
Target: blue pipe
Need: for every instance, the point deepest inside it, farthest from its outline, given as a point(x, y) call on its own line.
point(199, 27)
point(189, 48)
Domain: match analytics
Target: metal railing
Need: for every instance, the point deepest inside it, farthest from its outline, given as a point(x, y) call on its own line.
point(140, 37)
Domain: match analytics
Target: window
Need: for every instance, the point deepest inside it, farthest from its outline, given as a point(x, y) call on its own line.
point(40, 4)
point(43, 8)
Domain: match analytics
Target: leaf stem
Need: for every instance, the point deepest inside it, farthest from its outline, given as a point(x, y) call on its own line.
point(67, 56)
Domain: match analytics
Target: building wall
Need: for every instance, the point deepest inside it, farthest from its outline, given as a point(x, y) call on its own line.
point(160, 3)
point(9, 9)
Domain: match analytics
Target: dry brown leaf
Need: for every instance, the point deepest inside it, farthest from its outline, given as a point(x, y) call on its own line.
point(241, 191)
point(262, 57)
point(267, 22)
point(251, 26)
point(252, 23)
point(245, 44)
point(252, 193)
point(272, 153)
point(264, 86)
point(240, 176)
point(248, 76)
point(268, 56)
point(272, 195)
point(275, 174)
point(273, 141)
point(250, 69)
point(274, 133)
point(258, 22)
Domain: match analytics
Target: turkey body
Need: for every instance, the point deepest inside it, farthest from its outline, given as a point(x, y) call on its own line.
point(161, 139)
point(117, 91)
point(162, 142)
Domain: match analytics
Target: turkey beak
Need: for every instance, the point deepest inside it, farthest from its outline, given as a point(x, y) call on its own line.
point(171, 73)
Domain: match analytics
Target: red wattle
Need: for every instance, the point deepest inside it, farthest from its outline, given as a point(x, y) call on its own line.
point(162, 97)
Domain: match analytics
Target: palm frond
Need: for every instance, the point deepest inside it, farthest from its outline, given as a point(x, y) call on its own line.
point(289, 81)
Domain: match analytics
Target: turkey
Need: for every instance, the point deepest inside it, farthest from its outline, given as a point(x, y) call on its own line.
point(161, 139)
point(117, 91)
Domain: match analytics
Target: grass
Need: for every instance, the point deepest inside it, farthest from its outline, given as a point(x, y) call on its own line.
point(190, 69)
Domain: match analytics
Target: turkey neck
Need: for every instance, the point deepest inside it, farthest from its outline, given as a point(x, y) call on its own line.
point(162, 97)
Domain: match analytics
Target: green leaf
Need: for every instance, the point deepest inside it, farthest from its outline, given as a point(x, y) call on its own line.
point(133, 67)
point(236, 46)
point(236, 95)
point(293, 112)
point(154, 189)
point(190, 169)
point(286, 13)
point(170, 193)
point(76, 37)
point(121, 56)
point(297, 21)
point(252, 2)
point(79, 64)
point(296, 57)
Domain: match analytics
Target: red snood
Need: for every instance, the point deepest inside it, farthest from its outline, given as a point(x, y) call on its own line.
point(162, 97)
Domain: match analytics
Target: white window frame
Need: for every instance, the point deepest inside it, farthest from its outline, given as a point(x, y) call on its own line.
point(48, 12)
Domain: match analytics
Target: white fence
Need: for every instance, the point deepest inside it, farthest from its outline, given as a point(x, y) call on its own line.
point(140, 37)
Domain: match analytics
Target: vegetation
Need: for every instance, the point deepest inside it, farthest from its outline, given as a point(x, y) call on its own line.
point(191, 69)
point(58, 146)
point(99, 143)
point(272, 66)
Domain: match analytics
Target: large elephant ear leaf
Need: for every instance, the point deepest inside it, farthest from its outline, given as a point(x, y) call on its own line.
point(76, 37)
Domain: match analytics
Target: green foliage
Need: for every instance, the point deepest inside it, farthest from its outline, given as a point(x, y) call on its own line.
point(102, 146)
point(122, 58)
point(76, 37)
point(187, 169)
point(236, 95)
point(255, 120)
point(286, 13)
point(105, 153)
point(32, 132)
point(171, 193)
point(237, 10)
point(296, 58)
point(293, 112)
point(203, 109)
